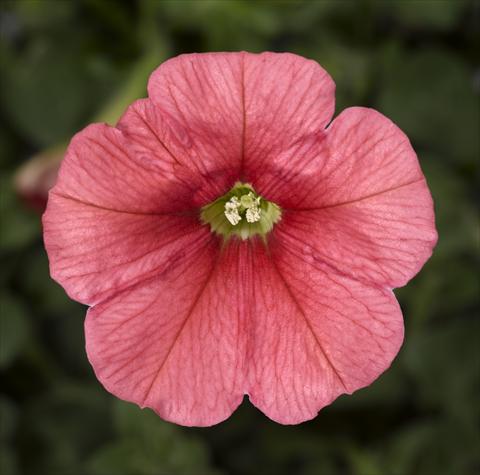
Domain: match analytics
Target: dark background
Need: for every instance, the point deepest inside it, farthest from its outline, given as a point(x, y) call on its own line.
point(67, 63)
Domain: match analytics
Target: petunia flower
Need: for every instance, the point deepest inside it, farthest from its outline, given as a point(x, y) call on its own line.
point(231, 241)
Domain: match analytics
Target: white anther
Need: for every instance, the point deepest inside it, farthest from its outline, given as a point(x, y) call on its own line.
point(233, 217)
point(232, 203)
point(231, 210)
point(247, 202)
point(252, 205)
point(253, 214)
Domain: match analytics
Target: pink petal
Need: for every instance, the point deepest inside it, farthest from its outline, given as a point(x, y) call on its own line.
point(116, 217)
point(316, 334)
point(200, 97)
point(95, 252)
point(360, 202)
point(287, 98)
point(362, 153)
point(246, 107)
point(102, 168)
point(183, 342)
point(176, 344)
point(206, 158)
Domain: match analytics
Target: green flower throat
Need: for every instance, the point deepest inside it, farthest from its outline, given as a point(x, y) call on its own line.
point(242, 213)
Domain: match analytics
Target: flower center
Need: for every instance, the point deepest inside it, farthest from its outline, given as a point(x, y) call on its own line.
point(241, 212)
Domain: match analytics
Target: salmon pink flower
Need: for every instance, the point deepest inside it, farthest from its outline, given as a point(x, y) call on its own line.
point(229, 241)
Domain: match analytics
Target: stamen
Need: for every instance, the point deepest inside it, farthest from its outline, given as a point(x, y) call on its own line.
point(242, 213)
point(253, 215)
point(248, 203)
point(231, 211)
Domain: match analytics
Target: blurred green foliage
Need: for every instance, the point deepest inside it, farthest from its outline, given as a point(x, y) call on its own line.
point(415, 61)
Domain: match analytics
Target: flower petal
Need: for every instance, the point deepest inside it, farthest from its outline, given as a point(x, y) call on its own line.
point(316, 336)
point(117, 216)
point(176, 344)
point(102, 168)
point(286, 99)
point(208, 161)
point(363, 153)
point(200, 98)
point(359, 201)
point(95, 252)
point(245, 107)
